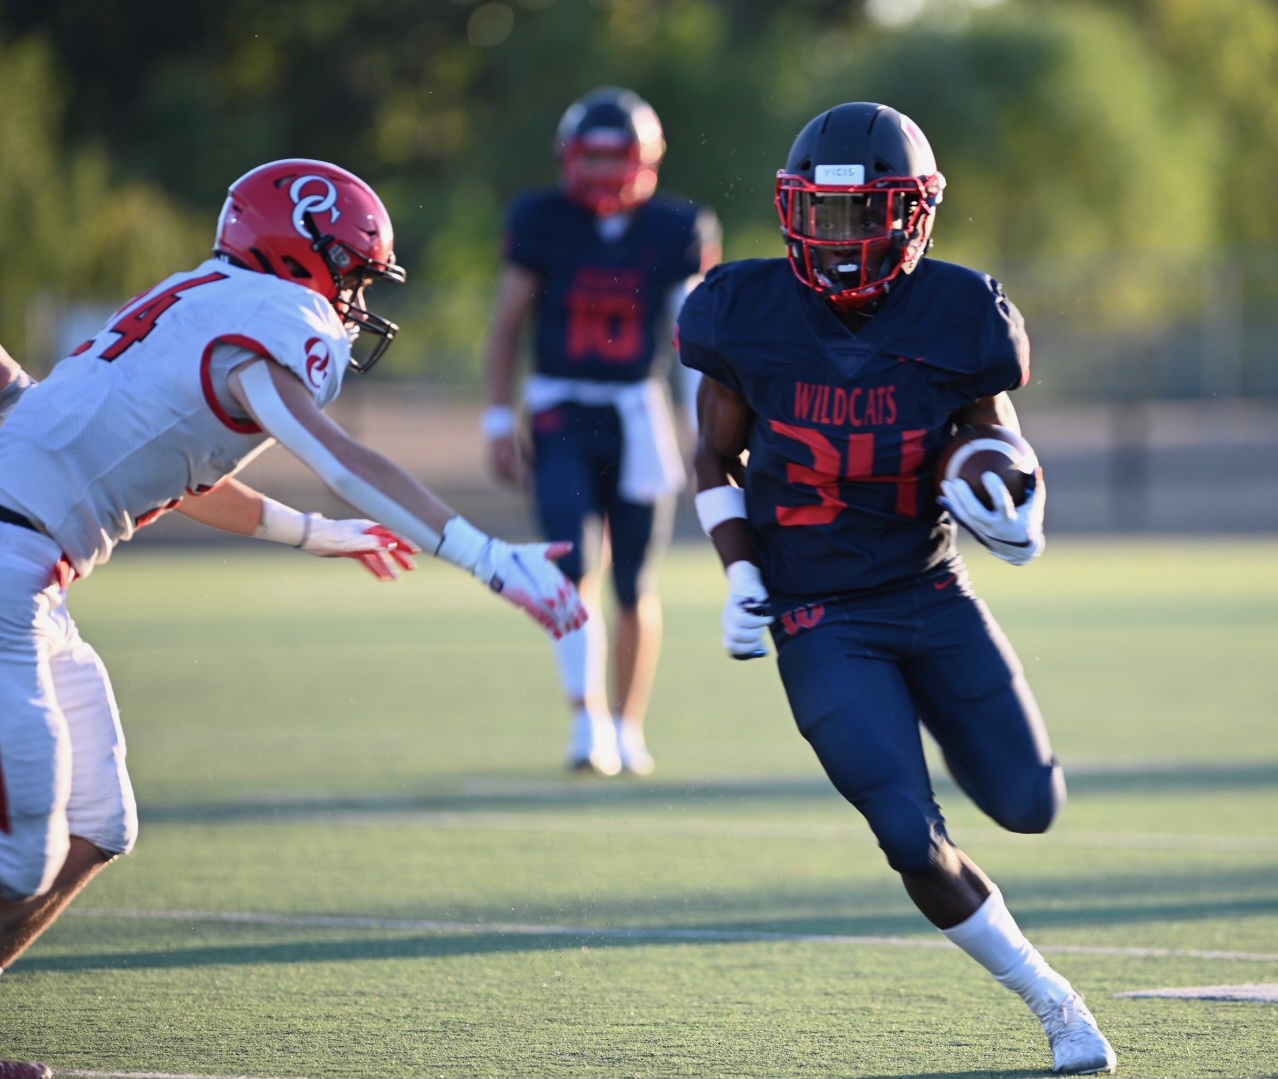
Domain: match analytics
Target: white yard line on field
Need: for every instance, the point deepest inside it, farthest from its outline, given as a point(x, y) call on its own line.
point(1252, 992)
point(820, 831)
point(656, 934)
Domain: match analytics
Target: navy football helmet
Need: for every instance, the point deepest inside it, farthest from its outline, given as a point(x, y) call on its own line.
point(610, 145)
point(857, 199)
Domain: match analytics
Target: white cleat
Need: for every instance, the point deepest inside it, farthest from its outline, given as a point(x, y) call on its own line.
point(633, 749)
point(592, 744)
point(1078, 1046)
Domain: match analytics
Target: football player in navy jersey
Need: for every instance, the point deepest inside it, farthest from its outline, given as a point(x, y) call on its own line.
point(598, 264)
point(843, 370)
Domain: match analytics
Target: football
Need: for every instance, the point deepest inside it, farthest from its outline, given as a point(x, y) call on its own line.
point(982, 448)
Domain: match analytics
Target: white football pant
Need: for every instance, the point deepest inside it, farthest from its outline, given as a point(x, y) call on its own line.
point(62, 770)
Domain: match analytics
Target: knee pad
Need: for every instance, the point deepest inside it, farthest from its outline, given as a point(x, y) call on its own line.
point(114, 831)
point(1032, 809)
point(105, 811)
point(909, 834)
point(31, 855)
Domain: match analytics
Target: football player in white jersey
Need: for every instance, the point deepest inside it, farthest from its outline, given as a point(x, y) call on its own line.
point(178, 390)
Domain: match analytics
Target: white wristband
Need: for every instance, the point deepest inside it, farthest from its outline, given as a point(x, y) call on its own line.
point(462, 543)
point(282, 524)
point(498, 421)
point(719, 504)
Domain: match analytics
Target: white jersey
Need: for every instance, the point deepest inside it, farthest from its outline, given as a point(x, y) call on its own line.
point(140, 414)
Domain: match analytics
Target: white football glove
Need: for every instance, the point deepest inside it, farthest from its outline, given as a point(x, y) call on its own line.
point(1013, 533)
point(524, 574)
point(747, 614)
point(377, 548)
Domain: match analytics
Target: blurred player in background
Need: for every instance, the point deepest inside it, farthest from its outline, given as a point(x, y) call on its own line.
point(180, 388)
point(598, 265)
point(844, 371)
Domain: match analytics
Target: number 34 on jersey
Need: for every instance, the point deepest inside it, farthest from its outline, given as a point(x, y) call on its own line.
point(884, 456)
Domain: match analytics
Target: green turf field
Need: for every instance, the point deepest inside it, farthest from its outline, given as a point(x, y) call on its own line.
point(359, 856)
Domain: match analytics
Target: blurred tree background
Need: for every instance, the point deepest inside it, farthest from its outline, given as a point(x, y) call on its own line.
point(1111, 161)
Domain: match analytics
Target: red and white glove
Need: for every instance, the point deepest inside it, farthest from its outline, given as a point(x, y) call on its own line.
point(375, 547)
point(524, 574)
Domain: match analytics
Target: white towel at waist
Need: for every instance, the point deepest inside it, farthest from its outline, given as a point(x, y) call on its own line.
point(651, 465)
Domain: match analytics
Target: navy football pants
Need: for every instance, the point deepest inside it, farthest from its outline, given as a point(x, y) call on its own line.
point(576, 466)
point(862, 673)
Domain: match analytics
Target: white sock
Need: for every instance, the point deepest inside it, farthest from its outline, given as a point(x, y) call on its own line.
point(992, 937)
point(581, 660)
point(570, 653)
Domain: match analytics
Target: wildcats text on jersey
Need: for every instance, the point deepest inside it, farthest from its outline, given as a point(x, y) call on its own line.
point(853, 406)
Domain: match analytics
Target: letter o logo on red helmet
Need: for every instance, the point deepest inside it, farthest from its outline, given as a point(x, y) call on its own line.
point(314, 204)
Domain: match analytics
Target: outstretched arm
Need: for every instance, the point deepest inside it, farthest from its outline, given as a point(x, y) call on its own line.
point(522, 574)
point(235, 507)
point(724, 422)
point(231, 506)
point(517, 290)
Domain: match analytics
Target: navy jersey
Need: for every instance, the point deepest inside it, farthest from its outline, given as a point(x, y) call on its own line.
point(840, 480)
point(601, 303)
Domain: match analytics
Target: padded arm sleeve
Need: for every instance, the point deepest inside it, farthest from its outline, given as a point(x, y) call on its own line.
point(274, 415)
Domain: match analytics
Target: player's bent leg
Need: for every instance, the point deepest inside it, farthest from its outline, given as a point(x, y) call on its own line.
point(21, 923)
point(35, 744)
point(101, 808)
point(857, 715)
point(1002, 765)
point(35, 783)
point(950, 890)
point(97, 812)
point(976, 702)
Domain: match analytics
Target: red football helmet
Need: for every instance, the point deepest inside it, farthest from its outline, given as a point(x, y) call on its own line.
point(317, 225)
point(610, 145)
point(857, 199)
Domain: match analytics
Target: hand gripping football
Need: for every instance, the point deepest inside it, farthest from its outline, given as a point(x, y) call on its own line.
point(983, 448)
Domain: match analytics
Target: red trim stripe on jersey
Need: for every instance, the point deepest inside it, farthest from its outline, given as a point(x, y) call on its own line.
point(240, 427)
